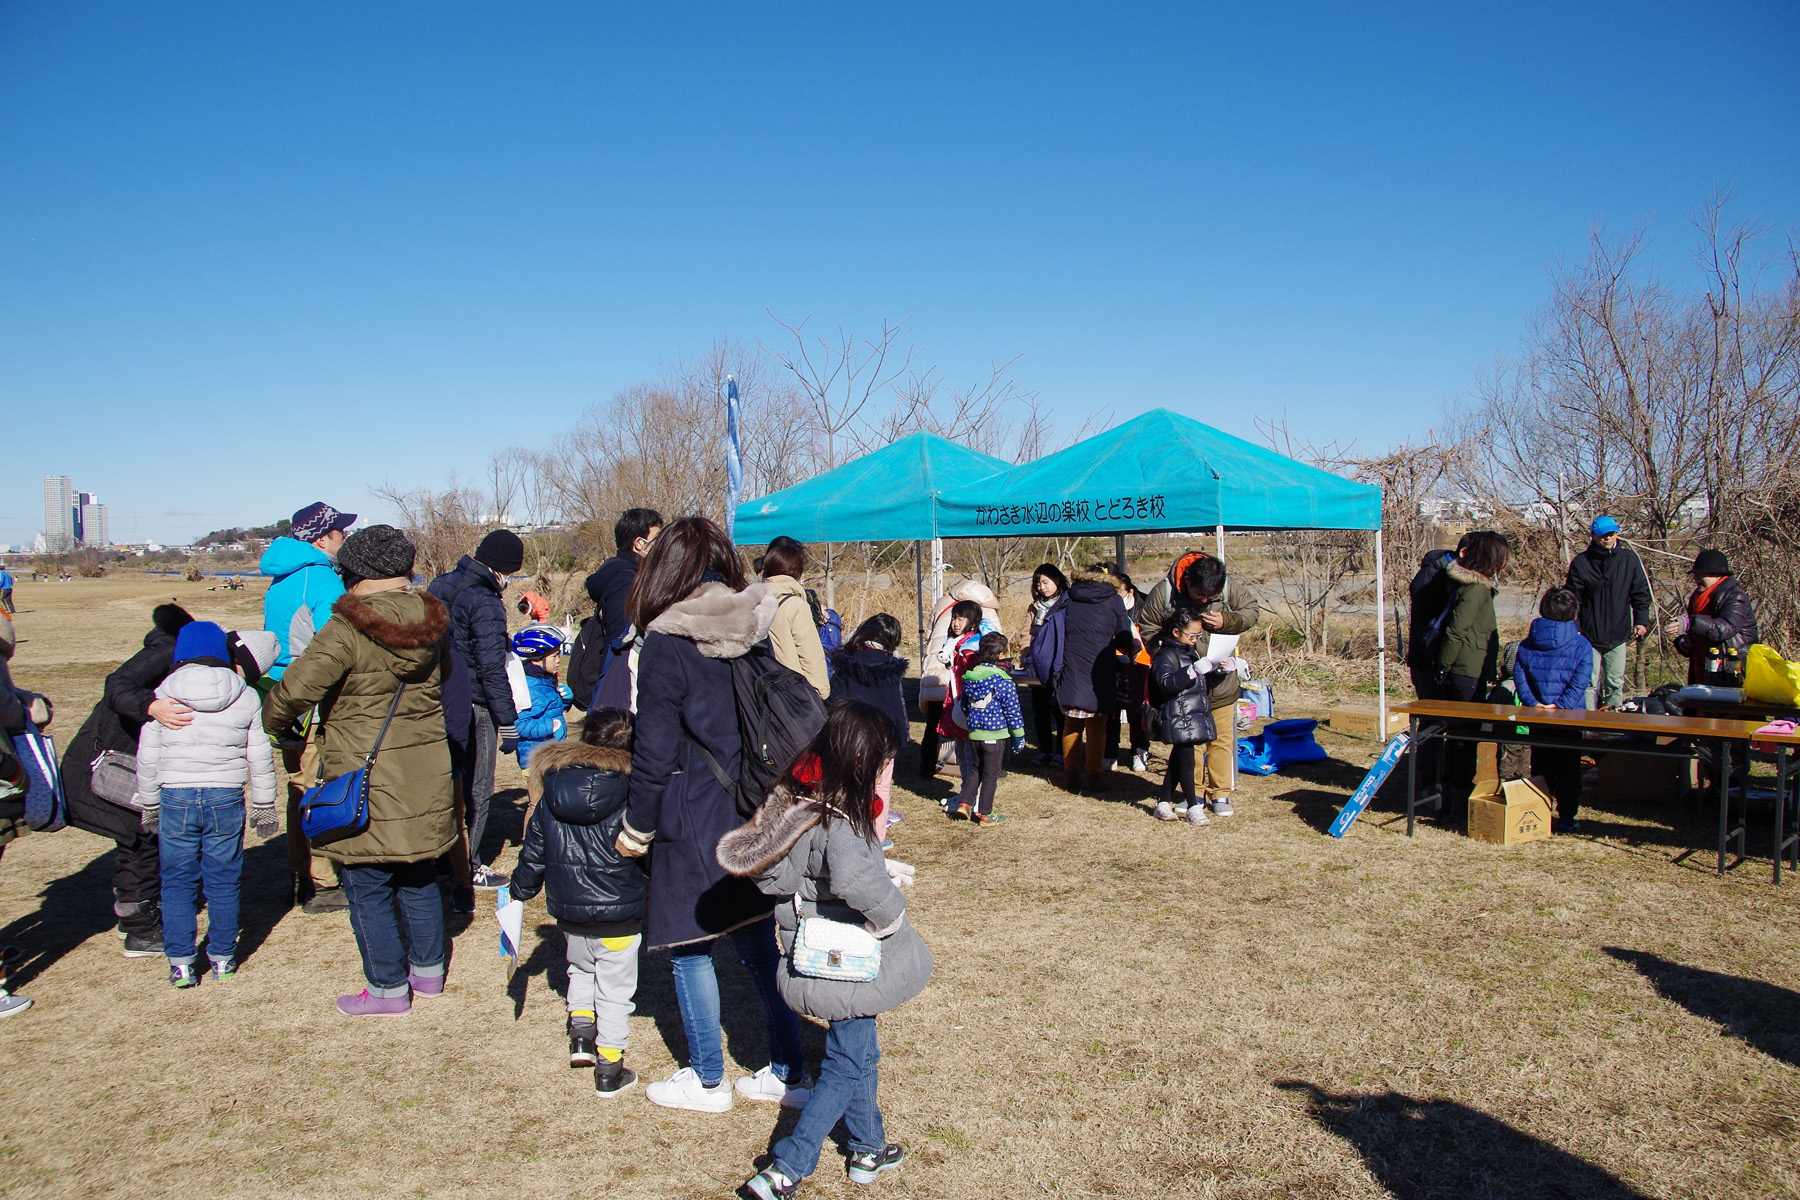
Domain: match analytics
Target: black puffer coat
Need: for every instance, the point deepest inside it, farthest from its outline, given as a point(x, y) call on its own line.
point(581, 792)
point(478, 635)
point(608, 588)
point(871, 675)
point(1728, 622)
point(1180, 709)
point(1095, 627)
point(1429, 593)
point(115, 723)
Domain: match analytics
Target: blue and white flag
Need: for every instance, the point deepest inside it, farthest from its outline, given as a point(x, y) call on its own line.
point(734, 459)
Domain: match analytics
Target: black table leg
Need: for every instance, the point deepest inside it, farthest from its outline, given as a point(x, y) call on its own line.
point(1412, 775)
point(1781, 777)
point(1722, 762)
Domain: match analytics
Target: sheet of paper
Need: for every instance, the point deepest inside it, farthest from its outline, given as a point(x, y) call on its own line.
point(1221, 646)
point(511, 916)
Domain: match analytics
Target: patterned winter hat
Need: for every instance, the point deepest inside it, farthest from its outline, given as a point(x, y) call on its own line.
point(318, 519)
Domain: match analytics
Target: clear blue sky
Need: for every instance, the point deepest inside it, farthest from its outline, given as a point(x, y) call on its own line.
point(253, 255)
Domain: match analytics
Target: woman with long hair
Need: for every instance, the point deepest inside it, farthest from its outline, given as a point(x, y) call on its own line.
point(697, 613)
point(1041, 654)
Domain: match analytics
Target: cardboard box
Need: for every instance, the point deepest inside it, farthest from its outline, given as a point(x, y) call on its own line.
point(1510, 813)
point(1629, 778)
point(1365, 721)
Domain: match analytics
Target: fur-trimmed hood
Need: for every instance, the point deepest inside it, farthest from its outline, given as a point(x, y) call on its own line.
point(869, 666)
point(554, 756)
point(720, 622)
point(783, 820)
point(1461, 574)
point(397, 621)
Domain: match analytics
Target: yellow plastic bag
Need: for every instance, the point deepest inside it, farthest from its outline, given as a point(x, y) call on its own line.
point(1770, 678)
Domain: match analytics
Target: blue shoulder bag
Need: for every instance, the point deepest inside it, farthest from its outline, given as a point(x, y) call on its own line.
point(331, 812)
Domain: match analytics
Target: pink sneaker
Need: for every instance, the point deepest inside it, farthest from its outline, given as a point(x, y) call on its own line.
point(426, 985)
point(365, 1005)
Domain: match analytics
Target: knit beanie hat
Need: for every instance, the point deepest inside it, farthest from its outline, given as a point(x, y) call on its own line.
point(377, 552)
point(1711, 562)
point(501, 552)
point(202, 641)
point(316, 520)
point(255, 650)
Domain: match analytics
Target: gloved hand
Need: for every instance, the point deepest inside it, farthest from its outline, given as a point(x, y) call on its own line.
point(1018, 745)
point(567, 694)
point(263, 821)
point(147, 820)
point(901, 873)
point(1202, 667)
point(509, 739)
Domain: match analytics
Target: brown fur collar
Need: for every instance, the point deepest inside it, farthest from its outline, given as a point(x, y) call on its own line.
point(720, 622)
point(395, 635)
point(1462, 574)
point(554, 756)
point(781, 821)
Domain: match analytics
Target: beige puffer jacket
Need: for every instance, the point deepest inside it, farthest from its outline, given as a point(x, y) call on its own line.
point(794, 637)
point(934, 683)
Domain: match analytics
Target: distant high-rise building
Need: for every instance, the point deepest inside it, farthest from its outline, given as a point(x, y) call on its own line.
point(91, 524)
point(59, 514)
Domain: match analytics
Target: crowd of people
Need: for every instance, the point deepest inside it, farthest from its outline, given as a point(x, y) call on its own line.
point(386, 705)
point(1575, 654)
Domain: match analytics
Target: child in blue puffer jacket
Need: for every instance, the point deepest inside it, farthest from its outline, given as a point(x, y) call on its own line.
point(1552, 670)
point(543, 722)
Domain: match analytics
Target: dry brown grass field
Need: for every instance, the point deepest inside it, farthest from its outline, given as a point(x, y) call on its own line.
point(1121, 1008)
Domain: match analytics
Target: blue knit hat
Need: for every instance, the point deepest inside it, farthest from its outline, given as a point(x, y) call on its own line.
point(201, 639)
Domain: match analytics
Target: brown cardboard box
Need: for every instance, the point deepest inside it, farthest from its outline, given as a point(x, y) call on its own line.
point(1634, 777)
point(1365, 721)
point(1510, 813)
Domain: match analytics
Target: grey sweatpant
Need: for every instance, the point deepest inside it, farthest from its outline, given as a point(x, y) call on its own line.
point(603, 977)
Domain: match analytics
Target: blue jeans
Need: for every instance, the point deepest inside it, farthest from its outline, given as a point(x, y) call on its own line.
point(200, 842)
point(846, 1088)
point(383, 897)
point(697, 995)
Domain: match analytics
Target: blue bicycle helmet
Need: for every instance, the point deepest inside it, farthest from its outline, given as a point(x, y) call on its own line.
point(534, 641)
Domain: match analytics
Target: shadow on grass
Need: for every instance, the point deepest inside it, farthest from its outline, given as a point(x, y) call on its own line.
point(1759, 1013)
point(745, 1028)
point(1442, 1150)
point(505, 823)
point(547, 958)
point(72, 910)
point(1317, 807)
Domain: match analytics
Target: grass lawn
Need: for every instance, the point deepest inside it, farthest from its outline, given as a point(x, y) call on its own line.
point(1120, 1008)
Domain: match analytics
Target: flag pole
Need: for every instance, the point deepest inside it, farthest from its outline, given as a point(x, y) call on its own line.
point(734, 459)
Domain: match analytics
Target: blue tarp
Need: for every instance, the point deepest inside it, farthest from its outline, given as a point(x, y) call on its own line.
point(889, 495)
point(1158, 473)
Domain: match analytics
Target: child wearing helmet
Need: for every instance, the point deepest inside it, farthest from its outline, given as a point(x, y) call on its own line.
point(536, 646)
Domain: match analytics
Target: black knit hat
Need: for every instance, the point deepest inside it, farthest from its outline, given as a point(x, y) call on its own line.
point(1711, 562)
point(377, 552)
point(501, 552)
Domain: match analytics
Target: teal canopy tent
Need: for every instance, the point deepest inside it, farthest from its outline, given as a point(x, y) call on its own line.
point(1158, 473)
point(890, 495)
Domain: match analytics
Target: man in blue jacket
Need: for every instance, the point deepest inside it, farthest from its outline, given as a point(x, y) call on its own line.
point(478, 637)
point(295, 608)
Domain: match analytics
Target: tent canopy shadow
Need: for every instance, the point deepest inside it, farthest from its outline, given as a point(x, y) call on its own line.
point(1759, 1013)
point(1442, 1150)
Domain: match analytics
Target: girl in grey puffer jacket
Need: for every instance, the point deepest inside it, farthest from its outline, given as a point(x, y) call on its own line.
point(191, 788)
point(816, 842)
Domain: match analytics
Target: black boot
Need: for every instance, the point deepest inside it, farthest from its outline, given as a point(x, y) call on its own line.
point(582, 1039)
point(611, 1078)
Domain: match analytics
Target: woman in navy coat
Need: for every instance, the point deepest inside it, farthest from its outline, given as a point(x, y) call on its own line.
point(691, 600)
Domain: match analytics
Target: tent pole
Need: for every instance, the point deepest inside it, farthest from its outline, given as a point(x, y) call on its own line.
point(937, 568)
point(1119, 552)
point(1219, 536)
point(919, 590)
point(1380, 643)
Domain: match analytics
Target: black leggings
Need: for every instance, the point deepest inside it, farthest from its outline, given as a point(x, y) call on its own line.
point(928, 745)
point(1046, 719)
point(1181, 770)
point(988, 759)
point(1458, 757)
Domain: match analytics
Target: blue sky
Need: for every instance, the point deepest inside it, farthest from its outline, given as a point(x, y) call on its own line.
point(256, 255)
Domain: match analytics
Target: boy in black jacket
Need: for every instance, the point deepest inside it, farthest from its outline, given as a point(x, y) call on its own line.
point(578, 791)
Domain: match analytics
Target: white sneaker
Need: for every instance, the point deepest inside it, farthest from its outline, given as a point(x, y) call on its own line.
point(683, 1090)
point(1140, 761)
point(1164, 811)
point(1222, 807)
point(766, 1085)
point(1196, 815)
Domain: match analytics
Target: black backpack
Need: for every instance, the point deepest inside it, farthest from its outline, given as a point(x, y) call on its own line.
point(778, 715)
point(588, 660)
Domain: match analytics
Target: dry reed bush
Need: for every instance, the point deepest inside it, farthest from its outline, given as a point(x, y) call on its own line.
point(1120, 1007)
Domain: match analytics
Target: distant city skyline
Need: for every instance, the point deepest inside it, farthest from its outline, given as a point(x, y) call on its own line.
point(73, 519)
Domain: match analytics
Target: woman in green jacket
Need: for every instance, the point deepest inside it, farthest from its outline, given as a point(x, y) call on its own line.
point(387, 637)
point(1468, 655)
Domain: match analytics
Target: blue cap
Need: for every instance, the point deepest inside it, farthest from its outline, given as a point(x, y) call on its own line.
point(201, 639)
point(1603, 526)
